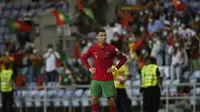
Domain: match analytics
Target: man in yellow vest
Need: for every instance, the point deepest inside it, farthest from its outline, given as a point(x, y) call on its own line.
point(122, 100)
point(150, 86)
point(6, 87)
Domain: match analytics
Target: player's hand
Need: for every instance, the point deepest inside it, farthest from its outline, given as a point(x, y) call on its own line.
point(92, 70)
point(110, 70)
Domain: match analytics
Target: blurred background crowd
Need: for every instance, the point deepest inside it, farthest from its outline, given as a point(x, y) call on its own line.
point(153, 28)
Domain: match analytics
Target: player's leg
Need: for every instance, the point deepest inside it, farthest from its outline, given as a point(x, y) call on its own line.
point(109, 92)
point(96, 93)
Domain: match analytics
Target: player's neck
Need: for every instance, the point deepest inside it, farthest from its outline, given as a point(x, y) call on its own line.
point(101, 45)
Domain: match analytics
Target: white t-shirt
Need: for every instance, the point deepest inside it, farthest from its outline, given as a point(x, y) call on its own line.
point(50, 61)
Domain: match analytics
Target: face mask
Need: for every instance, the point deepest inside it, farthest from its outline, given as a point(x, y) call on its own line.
point(143, 51)
point(89, 44)
point(150, 20)
point(164, 33)
point(176, 44)
point(67, 71)
point(197, 19)
point(141, 13)
point(50, 50)
point(35, 51)
point(178, 23)
point(175, 32)
point(141, 29)
point(175, 19)
point(130, 39)
point(115, 38)
point(7, 53)
point(124, 33)
point(146, 11)
point(182, 25)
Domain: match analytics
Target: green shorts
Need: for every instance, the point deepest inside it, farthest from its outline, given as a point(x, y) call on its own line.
point(105, 87)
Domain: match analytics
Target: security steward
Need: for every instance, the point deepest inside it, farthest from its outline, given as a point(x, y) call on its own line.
point(150, 86)
point(6, 87)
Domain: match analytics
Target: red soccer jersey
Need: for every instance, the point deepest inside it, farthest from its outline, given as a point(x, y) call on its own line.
point(103, 59)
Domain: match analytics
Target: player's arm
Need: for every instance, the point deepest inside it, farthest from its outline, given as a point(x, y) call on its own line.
point(120, 56)
point(85, 57)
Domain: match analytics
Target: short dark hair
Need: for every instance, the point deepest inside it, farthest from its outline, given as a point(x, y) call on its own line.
point(100, 30)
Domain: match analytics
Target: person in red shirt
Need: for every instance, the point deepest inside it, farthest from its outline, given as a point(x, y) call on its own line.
point(103, 55)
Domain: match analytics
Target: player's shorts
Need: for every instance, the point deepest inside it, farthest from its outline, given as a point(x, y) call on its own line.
point(106, 88)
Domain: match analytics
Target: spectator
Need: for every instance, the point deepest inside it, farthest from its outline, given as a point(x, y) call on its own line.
point(179, 60)
point(154, 25)
point(6, 58)
point(120, 77)
point(65, 78)
point(50, 63)
point(157, 49)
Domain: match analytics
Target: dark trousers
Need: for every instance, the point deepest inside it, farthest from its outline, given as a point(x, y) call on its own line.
point(122, 101)
point(151, 99)
point(51, 76)
point(7, 101)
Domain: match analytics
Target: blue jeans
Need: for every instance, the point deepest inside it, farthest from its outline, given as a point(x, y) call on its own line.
point(31, 75)
point(134, 69)
point(168, 57)
point(159, 59)
point(176, 70)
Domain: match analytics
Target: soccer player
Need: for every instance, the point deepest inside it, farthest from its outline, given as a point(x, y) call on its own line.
point(103, 55)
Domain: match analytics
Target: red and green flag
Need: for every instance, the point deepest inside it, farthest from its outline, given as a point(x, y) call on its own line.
point(179, 5)
point(18, 26)
point(87, 11)
point(125, 19)
point(61, 17)
point(76, 52)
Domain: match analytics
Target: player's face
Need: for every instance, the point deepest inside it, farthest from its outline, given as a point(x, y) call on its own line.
point(101, 37)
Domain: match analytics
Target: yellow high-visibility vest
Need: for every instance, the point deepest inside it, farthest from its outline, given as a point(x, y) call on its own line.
point(6, 80)
point(149, 75)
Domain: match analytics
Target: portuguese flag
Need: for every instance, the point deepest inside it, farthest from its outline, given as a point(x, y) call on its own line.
point(18, 26)
point(76, 50)
point(61, 18)
point(178, 5)
point(87, 11)
point(125, 19)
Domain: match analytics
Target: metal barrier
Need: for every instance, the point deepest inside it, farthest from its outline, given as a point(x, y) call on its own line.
point(49, 99)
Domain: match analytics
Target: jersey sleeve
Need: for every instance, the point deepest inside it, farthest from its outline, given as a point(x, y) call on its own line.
point(85, 57)
point(122, 58)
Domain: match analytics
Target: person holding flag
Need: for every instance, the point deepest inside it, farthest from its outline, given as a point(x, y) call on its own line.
point(62, 22)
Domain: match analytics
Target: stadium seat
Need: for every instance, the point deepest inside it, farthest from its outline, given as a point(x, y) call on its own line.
point(18, 97)
point(173, 90)
point(78, 93)
point(22, 11)
point(38, 96)
point(65, 98)
point(27, 97)
point(58, 95)
point(15, 13)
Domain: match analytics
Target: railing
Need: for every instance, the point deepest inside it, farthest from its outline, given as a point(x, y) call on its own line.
point(70, 99)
